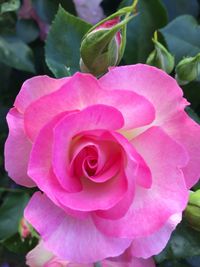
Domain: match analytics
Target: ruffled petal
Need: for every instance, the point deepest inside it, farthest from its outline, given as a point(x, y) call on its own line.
point(81, 91)
point(17, 150)
point(155, 243)
point(168, 194)
point(187, 132)
point(152, 83)
point(36, 87)
point(60, 231)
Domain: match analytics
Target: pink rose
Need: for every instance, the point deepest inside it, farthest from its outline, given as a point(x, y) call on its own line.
point(114, 157)
point(41, 257)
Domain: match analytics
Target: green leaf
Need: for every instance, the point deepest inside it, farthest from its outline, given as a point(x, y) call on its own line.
point(174, 263)
point(16, 54)
point(183, 243)
point(63, 43)
point(27, 30)
point(151, 16)
point(176, 8)
point(182, 36)
point(47, 9)
point(11, 211)
point(190, 262)
point(8, 6)
point(17, 245)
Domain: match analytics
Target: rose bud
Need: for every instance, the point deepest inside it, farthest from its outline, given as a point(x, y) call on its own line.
point(103, 46)
point(24, 228)
point(192, 212)
point(160, 57)
point(188, 70)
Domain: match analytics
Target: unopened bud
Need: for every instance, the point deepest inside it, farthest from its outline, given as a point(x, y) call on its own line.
point(24, 228)
point(160, 57)
point(103, 46)
point(188, 70)
point(192, 212)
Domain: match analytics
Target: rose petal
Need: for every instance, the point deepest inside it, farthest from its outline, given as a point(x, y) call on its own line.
point(187, 133)
point(152, 83)
point(81, 91)
point(17, 150)
point(155, 243)
point(38, 256)
point(127, 260)
point(137, 172)
point(60, 233)
point(92, 118)
point(168, 194)
point(36, 87)
point(169, 106)
point(93, 196)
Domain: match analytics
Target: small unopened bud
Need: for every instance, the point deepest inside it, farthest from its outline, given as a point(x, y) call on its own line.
point(103, 46)
point(160, 57)
point(188, 70)
point(192, 212)
point(24, 228)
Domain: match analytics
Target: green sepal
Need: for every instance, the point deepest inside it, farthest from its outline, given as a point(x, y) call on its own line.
point(98, 45)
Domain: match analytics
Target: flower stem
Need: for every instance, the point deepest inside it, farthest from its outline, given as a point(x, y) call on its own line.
point(97, 264)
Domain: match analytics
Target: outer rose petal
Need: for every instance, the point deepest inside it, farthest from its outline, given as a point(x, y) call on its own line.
point(60, 231)
point(41, 257)
point(36, 87)
point(127, 260)
point(169, 105)
point(134, 262)
point(38, 256)
point(154, 84)
point(168, 194)
point(186, 132)
point(81, 91)
point(17, 150)
point(142, 263)
point(155, 243)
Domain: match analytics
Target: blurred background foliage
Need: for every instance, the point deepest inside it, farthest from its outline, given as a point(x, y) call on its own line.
point(23, 54)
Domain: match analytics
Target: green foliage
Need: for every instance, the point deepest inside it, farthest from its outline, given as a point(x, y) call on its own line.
point(176, 8)
point(183, 37)
point(160, 57)
point(10, 5)
point(47, 9)
point(183, 243)
point(63, 43)
point(151, 16)
point(15, 53)
point(27, 30)
point(11, 211)
point(18, 245)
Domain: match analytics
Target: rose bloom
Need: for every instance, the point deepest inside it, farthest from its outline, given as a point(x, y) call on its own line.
point(114, 158)
point(41, 257)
